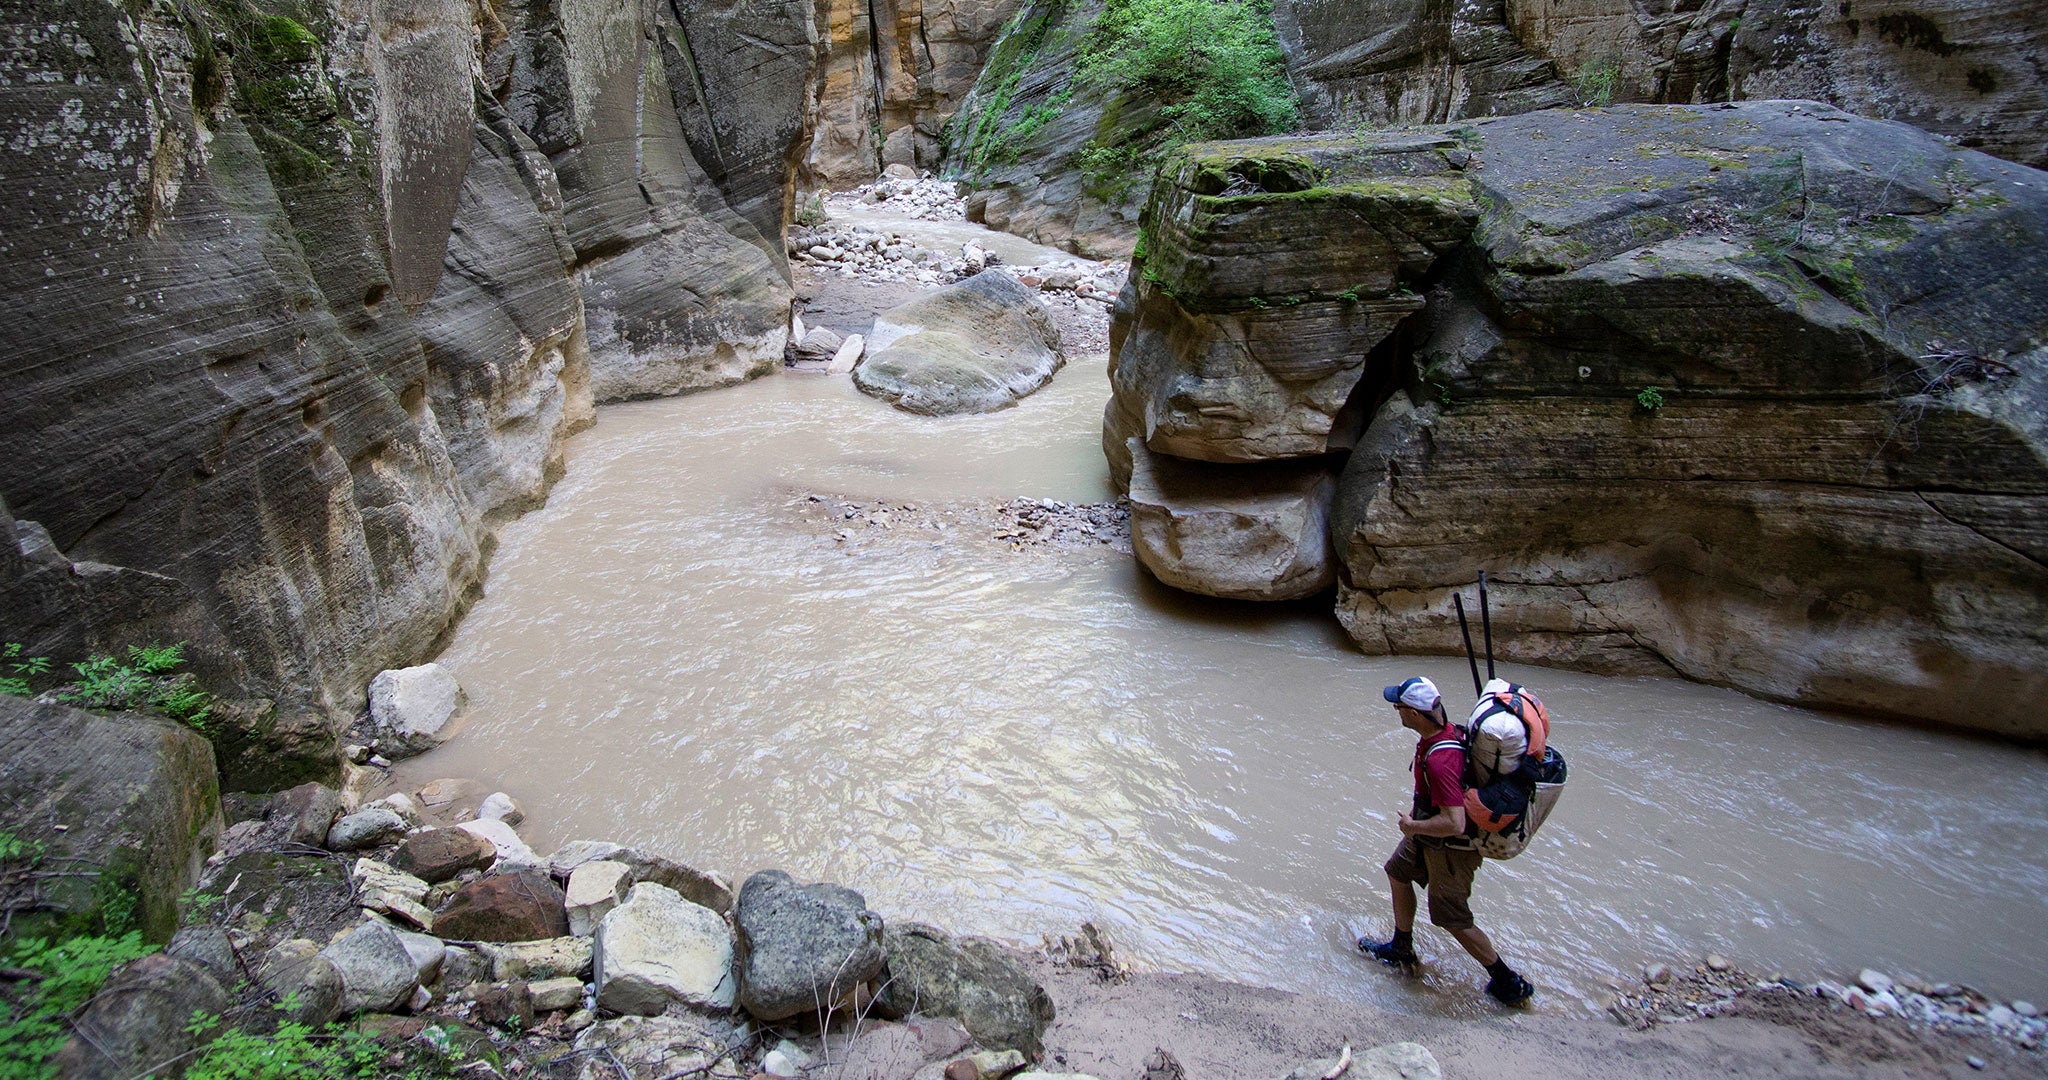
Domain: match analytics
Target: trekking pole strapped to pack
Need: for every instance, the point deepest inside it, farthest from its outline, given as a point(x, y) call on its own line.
point(1513, 776)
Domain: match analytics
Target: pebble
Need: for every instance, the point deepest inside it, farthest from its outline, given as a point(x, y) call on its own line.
point(1717, 962)
point(1877, 982)
point(1977, 1062)
point(1657, 974)
point(2026, 1008)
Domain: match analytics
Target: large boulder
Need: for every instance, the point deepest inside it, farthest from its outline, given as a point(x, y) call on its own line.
point(410, 707)
point(377, 971)
point(1246, 532)
point(1752, 393)
point(656, 949)
point(141, 1019)
point(435, 855)
point(931, 973)
point(973, 347)
point(132, 798)
point(294, 973)
point(802, 948)
point(520, 905)
point(372, 826)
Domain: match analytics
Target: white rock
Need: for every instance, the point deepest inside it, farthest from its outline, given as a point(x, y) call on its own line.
point(410, 707)
point(499, 806)
point(595, 888)
point(398, 802)
point(848, 356)
point(1717, 962)
point(427, 953)
point(512, 851)
point(658, 948)
point(2026, 1008)
point(548, 958)
point(1873, 980)
point(552, 994)
point(384, 888)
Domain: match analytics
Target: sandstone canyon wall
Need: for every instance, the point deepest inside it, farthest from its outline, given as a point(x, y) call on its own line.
point(895, 72)
point(307, 296)
point(1966, 69)
point(1750, 393)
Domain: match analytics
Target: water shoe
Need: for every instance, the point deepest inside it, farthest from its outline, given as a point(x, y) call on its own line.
point(1393, 954)
point(1509, 988)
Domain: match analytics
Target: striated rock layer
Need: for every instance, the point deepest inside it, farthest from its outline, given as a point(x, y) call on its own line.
point(306, 300)
point(1751, 393)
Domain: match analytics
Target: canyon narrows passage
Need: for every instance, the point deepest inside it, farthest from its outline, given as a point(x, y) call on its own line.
point(681, 651)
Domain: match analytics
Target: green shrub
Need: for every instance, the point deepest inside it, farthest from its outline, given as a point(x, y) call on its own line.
point(66, 974)
point(1649, 399)
point(292, 1052)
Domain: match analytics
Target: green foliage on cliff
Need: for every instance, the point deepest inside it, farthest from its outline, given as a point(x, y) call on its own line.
point(149, 679)
point(1213, 66)
point(988, 134)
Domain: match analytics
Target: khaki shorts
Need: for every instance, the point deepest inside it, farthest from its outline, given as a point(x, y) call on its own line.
point(1445, 872)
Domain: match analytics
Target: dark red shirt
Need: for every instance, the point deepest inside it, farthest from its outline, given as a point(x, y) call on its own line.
point(1439, 777)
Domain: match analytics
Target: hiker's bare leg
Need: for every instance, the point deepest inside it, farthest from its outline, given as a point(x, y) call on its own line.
point(1404, 905)
point(1472, 938)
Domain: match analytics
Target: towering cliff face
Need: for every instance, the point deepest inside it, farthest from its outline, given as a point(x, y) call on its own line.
point(1750, 393)
point(1966, 69)
point(895, 73)
point(307, 298)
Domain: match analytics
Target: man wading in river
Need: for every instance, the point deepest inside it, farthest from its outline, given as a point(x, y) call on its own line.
point(1422, 857)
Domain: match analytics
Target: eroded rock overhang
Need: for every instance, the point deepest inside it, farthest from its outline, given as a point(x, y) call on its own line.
point(1749, 393)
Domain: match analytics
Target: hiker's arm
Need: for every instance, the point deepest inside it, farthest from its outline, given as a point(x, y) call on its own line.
point(1451, 822)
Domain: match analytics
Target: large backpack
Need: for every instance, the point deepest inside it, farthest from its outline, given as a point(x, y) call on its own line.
point(1513, 776)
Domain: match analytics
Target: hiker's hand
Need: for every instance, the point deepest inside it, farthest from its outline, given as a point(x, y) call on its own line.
point(1407, 824)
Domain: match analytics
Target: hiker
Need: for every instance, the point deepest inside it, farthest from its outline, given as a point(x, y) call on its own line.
point(1433, 852)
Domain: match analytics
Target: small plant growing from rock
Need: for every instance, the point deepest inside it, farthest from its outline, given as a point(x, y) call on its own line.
point(1649, 399)
point(1595, 83)
point(19, 669)
point(148, 680)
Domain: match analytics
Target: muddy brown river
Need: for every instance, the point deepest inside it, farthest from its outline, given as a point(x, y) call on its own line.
point(1010, 742)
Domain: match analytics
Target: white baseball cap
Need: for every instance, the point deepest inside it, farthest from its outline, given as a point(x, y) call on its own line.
point(1416, 693)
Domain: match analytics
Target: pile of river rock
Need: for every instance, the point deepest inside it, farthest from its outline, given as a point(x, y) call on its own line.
point(1713, 987)
point(600, 958)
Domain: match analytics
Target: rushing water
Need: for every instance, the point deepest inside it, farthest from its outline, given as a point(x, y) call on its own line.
point(1009, 743)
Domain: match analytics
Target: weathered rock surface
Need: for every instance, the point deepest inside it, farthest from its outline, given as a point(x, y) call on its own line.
point(409, 707)
point(435, 855)
point(345, 301)
point(973, 347)
point(400, 895)
point(932, 973)
point(295, 971)
point(656, 949)
point(372, 826)
point(132, 797)
point(651, 1047)
point(139, 1019)
point(1247, 532)
point(512, 852)
point(377, 973)
point(894, 75)
point(552, 958)
point(697, 886)
point(1764, 382)
point(522, 905)
point(802, 947)
point(595, 888)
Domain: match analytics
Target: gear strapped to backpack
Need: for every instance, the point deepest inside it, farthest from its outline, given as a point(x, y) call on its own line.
point(1513, 776)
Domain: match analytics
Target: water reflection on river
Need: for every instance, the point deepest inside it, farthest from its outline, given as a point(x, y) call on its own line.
point(1010, 744)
